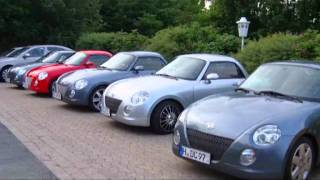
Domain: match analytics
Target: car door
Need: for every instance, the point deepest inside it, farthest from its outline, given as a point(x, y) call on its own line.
point(150, 65)
point(33, 54)
point(230, 75)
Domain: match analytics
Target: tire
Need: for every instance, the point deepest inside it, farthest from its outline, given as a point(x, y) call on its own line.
point(95, 98)
point(296, 160)
point(3, 73)
point(164, 117)
point(51, 87)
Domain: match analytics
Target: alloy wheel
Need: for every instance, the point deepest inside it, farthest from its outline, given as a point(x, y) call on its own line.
point(5, 73)
point(301, 162)
point(168, 117)
point(96, 99)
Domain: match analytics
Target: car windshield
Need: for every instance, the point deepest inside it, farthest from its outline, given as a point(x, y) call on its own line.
point(183, 67)
point(120, 62)
point(76, 59)
point(292, 80)
point(18, 52)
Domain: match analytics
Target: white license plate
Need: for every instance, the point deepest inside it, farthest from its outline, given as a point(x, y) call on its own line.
point(195, 154)
point(105, 111)
point(56, 95)
point(26, 83)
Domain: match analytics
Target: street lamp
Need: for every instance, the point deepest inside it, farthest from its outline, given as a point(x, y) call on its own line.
point(243, 27)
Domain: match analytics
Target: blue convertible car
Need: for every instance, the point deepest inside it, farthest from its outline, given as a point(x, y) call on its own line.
point(269, 128)
point(85, 87)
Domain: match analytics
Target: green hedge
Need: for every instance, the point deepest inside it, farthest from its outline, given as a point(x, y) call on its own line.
point(280, 47)
point(192, 39)
point(115, 42)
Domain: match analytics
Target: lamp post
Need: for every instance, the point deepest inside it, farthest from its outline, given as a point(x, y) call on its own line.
point(243, 27)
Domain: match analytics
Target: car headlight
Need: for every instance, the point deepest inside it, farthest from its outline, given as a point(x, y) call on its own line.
point(267, 135)
point(42, 76)
point(139, 98)
point(80, 84)
point(22, 71)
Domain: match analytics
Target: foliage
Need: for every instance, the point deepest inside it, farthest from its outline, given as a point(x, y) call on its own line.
point(280, 47)
point(115, 42)
point(192, 39)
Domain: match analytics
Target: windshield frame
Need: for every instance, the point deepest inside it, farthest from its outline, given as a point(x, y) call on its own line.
point(313, 99)
point(199, 76)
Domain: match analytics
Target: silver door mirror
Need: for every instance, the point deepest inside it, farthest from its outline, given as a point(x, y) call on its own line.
point(212, 76)
point(27, 55)
point(138, 68)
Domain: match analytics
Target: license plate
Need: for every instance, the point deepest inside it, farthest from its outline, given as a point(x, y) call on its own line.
point(26, 83)
point(105, 111)
point(56, 95)
point(195, 154)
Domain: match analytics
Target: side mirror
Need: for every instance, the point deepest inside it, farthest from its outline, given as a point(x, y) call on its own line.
point(27, 55)
point(138, 68)
point(89, 64)
point(210, 77)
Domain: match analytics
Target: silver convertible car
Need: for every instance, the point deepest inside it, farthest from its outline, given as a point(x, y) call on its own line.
point(85, 87)
point(269, 128)
point(157, 100)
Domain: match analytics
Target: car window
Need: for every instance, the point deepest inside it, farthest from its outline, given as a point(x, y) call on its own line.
point(120, 62)
point(98, 59)
point(18, 52)
point(55, 49)
point(76, 59)
point(37, 52)
point(150, 63)
point(225, 70)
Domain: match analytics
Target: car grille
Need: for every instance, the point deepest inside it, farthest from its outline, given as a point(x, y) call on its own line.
point(215, 145)
point(113, 104)
point(61, 89)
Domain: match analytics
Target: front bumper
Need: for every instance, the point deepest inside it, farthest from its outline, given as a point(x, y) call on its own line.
point(33, 84)
point(137, 116)
point(80, 97)
point(269, 164)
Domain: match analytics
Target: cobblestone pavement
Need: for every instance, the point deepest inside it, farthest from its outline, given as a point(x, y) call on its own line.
point(76, 143)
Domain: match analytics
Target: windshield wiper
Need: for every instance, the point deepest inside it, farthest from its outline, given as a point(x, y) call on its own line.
point(277, 94)
point(167, 75)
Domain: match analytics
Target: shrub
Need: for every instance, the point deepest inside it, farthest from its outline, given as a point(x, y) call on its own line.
point(192, 39)
point(115, 42)
point(278, 47)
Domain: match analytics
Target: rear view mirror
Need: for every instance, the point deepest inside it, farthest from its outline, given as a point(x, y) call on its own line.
point(27, 55)
point(212, 76)
point(138, 68)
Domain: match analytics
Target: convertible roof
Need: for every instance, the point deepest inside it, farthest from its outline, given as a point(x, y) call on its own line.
point(143, 53)
point(305, 63)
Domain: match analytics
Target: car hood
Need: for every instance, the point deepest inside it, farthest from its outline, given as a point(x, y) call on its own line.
point(146, 83)
point(61, 68)
point(231, 115)
point(89, 74)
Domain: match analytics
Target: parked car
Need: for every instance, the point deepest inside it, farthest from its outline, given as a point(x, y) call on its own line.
point(41, 79)
point(25, 55)
point(269, 128)
point(85, 87)
point(158, 100)
point(16, 75)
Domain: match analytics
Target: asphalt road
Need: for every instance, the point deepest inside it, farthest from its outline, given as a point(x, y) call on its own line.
point(76, 143)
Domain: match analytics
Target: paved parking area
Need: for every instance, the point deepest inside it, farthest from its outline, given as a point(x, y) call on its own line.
point(76, 143)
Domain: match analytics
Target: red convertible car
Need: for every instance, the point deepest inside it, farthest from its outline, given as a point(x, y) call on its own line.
point(41, 79)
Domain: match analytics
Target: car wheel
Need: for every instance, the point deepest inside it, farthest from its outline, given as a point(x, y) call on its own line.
point(4, 73)
point(301, 160)
point(96, 98)
point(52, 87)
point(164, 117)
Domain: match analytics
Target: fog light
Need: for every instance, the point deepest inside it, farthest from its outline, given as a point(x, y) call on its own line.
point(248, 157)
point(127, 110)
point(72, 93)
point(176, 137)
point(36, 83)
